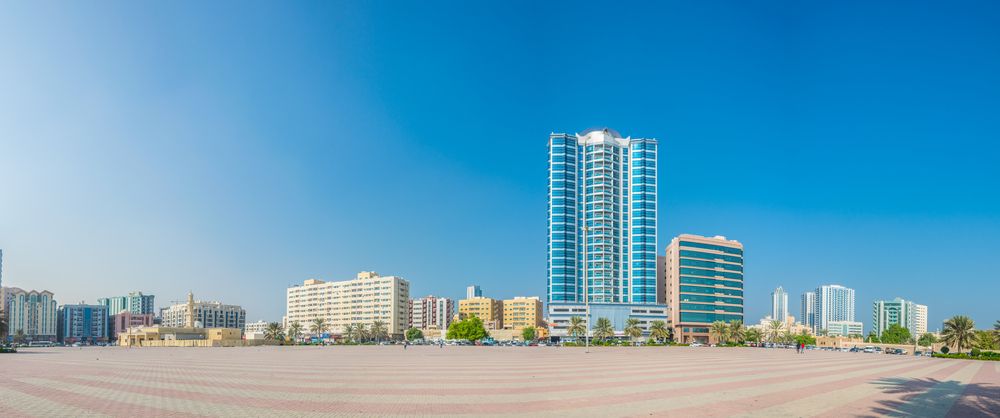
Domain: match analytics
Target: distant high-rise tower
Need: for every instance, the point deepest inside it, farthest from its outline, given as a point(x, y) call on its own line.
point(779, 304)
point(833, 303)
point(809, 309)
point(601, 226)
point(473, 292)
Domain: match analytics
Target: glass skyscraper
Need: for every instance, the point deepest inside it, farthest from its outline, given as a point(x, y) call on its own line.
point(601, 220)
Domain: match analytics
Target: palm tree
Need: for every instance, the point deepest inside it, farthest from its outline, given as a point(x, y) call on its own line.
point(273, 332)
point(576, 327)
point(379, 330)
point(632, 328)
point(658, 330)
point(295, 331)
point(362, 331)
point(318, 326)
point(737, 331)
point(603, 329)
point(958, 331)
point(720, 330)
point(774, 330)
point(753, 334)
point(350, 333)
point(3, 324)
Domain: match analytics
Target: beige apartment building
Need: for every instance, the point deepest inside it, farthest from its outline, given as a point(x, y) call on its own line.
point(522, 312)
point(364, 300)
point(489, 310)
point(704, 284)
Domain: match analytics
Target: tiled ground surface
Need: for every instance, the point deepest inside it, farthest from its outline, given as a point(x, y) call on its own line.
point(478, 381)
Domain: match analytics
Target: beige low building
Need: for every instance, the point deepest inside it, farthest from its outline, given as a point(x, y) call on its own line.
point(522, 312)
point(185, 336)
point(364, 300)
point(489, 310)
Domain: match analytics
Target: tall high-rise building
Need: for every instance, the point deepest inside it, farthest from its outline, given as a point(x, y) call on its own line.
point(363, 300)
point(33, 314)
point(473, 292)
point(704, 284)
point(898, 311)
point(601, 227)
point(779, 304)
point(808, 310)
point(134, 302)
point(431, 312)
point(833, 303)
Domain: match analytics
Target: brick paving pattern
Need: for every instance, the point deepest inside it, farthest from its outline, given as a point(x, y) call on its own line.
point(485, 381)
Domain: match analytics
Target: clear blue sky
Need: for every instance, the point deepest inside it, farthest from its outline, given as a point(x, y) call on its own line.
point(236, 148)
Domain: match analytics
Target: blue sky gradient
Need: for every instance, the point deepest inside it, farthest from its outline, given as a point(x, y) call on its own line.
point(236, 148)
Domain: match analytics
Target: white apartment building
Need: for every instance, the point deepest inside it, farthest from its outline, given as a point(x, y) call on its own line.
point(898, 311)
point(209, 314)
point(808, 310)
point(919, 319)
point(833, 303)
point(844, 328)
point(364, 300)
point(431, 312)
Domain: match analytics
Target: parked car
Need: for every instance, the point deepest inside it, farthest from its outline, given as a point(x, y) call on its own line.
point(869, 349)
point(696, 345)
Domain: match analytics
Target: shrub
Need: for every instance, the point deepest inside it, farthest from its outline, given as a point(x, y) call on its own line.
point(945, 350)
point(975, 352)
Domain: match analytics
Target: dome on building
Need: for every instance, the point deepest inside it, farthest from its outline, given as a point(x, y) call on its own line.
point(605, 129)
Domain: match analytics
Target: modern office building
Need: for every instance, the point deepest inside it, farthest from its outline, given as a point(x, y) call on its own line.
point(844, 328)
point(431, 312)
point(779, 304)
point(601, 224)
point(363, 300)
point(123, 321)
point(32, 314)
point(906, 314)
point(206, 315)
point(134, 302)
point(704, 284)
point(808, 310)
point(473, 292)
point(85, 324)
point(833, 303)
point(489, 310)
point(522, 312)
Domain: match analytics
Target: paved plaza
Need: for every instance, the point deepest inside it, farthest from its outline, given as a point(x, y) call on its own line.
point(482, 381)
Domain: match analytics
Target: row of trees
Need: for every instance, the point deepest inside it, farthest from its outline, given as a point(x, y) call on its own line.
point(357, 332)
point(604, 330)
point(960, 332)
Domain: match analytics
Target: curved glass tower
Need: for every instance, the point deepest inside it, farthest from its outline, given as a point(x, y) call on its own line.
point(601, 218)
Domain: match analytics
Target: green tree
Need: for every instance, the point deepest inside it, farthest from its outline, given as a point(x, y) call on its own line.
point(603, 329)
point(632, 328)
point(658, 330)
point(895, 334)
point(379, 330)
point(528, 334)
point(805, 339)
point(362, 331)
point(577, 328)
point(872, 338)
point(774, 329)
point(737, 332)
point(958, 331)
point(414, 334)
point(720, 330)
point(350, 333)
point(3, 325)
point(754, 334)
point(318, 326)
point(295, 331)
point(19, 337)
point(927, 340)
point(985, 340)
point(273, 332)
point(471, 329)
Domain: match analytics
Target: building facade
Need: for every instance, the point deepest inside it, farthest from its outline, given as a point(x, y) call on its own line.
point(808, 310)
point(473, 291)
point(32, 314)
point(704, 284)
point(363, 300)
point(522, 312)
point(85, 324)
point(833, 303)
point(845, 329)
point(205, 315)
point(906, 314)
point(602, 221)
point(489, 310)
point(134, 302)
point(431, 312)
point(123, 321)
point(779, 304)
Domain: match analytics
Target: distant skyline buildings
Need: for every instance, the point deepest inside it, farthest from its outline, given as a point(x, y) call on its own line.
point(473, 291)
point(907, 314)
point(33, 313)
point(808, 310)
point(135, 302)
point(833, 303)
point(779, 304)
